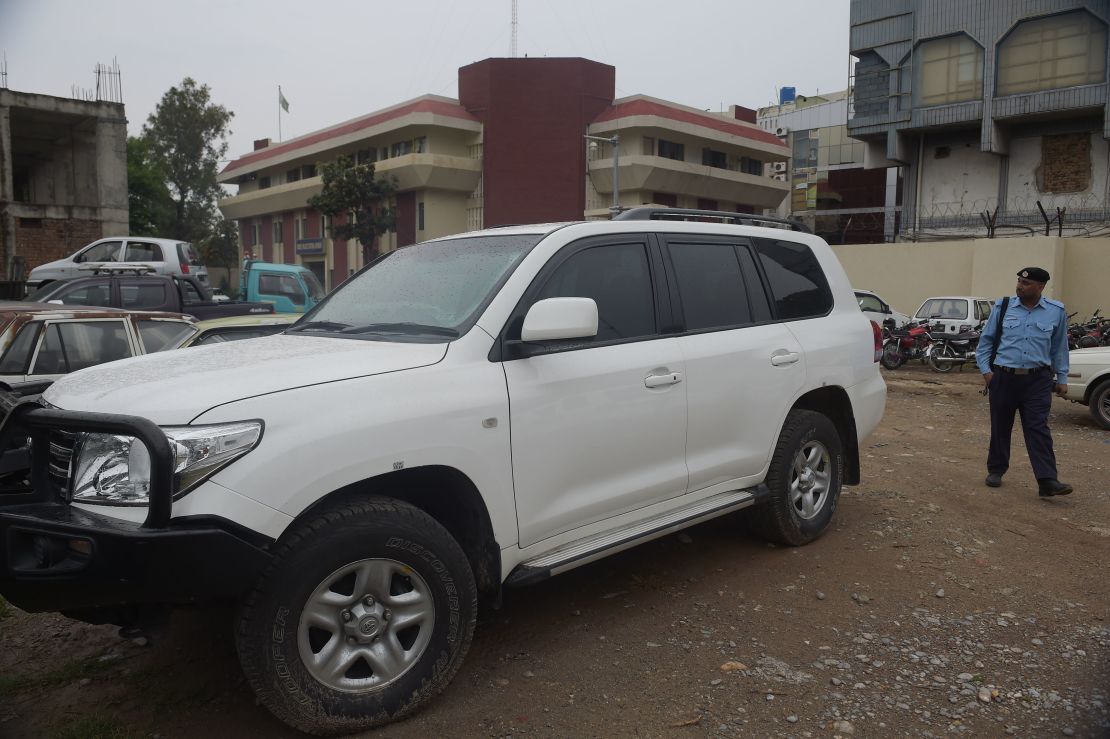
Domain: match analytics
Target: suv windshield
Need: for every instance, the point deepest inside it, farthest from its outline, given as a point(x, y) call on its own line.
point(434, 289)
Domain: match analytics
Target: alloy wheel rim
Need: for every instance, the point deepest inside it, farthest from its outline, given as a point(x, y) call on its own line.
point(810, 479)
point(365, 625)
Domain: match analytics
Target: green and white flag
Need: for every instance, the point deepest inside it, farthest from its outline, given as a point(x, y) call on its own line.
point(282, 101)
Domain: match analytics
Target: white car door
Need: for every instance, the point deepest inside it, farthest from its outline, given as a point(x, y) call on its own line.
point(598, 425)
point(93, 255)
point(743, 369)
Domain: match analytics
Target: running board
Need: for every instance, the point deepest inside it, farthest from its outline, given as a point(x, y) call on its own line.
point(595, 547)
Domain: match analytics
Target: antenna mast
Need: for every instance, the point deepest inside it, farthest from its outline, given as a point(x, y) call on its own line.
point(512, 49)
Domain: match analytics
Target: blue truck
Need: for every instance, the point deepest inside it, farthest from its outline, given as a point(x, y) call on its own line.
point(290, 288)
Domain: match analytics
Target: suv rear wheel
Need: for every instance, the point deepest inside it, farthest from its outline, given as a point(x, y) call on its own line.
point(804, 479)
point(365, 614)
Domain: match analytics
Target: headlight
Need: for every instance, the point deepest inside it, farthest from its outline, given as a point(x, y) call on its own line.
point(115, 469)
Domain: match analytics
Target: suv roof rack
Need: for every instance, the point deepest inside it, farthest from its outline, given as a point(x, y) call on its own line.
point(684, 214)
point(118, 268)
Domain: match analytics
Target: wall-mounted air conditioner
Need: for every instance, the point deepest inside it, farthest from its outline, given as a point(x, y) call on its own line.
point(778, 167)
point(782, 131)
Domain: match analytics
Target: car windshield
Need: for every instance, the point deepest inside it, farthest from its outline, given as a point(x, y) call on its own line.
point(433, 290)
point(954, 308)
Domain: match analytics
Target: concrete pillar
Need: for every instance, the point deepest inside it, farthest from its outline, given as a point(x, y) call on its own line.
point(6, 185)
point(111, 174)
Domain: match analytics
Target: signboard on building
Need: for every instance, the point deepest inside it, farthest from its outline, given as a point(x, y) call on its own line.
point(307, 247)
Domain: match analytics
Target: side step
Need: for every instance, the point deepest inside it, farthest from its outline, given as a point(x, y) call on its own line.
point(595, 547)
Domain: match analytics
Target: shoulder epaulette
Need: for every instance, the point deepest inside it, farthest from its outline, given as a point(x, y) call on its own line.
point(1059, 304)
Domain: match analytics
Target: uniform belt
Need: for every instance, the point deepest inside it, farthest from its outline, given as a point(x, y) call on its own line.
point(1022, 370)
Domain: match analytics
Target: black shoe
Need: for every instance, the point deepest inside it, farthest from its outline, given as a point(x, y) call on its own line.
point(1050, 487)
point(994, 480)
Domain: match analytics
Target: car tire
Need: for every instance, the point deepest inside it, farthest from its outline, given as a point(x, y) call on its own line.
point(1099, 404)
point(364, 614)
point(804, 479)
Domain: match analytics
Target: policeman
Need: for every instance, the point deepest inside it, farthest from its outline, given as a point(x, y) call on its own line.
point(1031, 362)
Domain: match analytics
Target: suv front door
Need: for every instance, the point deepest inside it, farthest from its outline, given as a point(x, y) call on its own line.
point(598, 425)
point(743, 369)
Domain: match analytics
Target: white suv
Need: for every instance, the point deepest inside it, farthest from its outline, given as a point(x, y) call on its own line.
point(488, 409)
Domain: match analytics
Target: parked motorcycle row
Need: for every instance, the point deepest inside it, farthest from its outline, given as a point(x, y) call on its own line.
point(929, 344)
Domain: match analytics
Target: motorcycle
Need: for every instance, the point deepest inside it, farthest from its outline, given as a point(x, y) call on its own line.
point(1094, 332)
point(947, 352)
point(903, 344)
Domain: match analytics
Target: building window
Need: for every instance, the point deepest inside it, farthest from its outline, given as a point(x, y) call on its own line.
point(308, 170)
point(325, 227)
point(254, 233)
point(293, 175)
point(278, 238)
point(648, 146)
point(671, 150)
point(298, 228)
point(420, 216)
point(263, 183)
point(751, 166)
point(716, 159)
point(1059, 51)
point(367, 156)
point(949, 70)
point(401, 148)
point(420, 144)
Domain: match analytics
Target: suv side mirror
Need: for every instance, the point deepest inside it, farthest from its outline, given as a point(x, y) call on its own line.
point(560, 318)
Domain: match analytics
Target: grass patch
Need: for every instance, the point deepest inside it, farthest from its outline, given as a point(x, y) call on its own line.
point(93, 727)
point(67, 673)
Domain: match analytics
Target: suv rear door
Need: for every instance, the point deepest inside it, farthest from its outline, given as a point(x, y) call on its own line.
point(598, 424)
point(743, 368)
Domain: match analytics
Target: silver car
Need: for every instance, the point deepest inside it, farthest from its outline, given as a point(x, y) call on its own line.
point(166, 256)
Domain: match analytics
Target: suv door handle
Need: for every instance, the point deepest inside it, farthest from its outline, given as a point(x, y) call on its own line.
point(661, 380)
point(779, 360)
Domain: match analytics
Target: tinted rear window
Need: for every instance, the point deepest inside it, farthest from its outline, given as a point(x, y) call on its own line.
point(798, 285)
point(711, 286)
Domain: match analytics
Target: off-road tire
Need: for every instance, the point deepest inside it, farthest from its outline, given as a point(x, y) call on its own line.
point(778, 519)
point(1099, 404)
point(268, 632)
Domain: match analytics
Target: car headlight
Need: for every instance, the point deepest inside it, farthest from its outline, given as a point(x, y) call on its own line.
point(115, 469)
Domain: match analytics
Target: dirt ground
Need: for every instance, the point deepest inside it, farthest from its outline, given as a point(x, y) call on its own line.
point(934, 606)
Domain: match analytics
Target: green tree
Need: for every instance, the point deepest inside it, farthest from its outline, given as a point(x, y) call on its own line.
point(221, 247)
point(186, 137)
point(148, 198)
point(353, 189)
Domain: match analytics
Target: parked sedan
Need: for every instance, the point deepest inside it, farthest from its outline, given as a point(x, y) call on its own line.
point(44, 342)
point(236, 328)
point(878, 310)
point(1089, 381)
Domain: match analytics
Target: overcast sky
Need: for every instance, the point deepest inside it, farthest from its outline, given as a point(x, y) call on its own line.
point(338, 59)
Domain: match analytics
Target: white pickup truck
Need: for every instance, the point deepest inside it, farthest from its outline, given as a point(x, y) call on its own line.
point(469, 413)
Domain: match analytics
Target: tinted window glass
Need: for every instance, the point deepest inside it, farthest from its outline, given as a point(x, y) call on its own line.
point(97, 295)
point(160, 335)
point(757, 295)
point(189, 293)
point(710, 284)
point(139, 251)
point(281, 285)
point(105, 252)
point(798, 286)
point(137, 295)
point(14, 361)
point(69, 347)
point(619, 281)
point(869, 302)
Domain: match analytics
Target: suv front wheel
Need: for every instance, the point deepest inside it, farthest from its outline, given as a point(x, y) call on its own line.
point(804, 479)
point(365, 614)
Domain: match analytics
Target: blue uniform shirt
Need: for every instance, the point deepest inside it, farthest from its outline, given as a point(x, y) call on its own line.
point(1030, 338)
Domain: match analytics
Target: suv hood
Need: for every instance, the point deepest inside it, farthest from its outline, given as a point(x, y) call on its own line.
point(174, 387)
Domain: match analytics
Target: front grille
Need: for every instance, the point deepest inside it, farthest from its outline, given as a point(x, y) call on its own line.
point(60, 459)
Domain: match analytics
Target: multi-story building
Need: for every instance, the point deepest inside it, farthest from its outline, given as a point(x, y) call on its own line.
point(63, 177)
point(830, 190)
point(512, 149)
point(993, 106)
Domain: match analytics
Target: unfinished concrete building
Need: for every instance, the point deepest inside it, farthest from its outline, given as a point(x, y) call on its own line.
point(63, 177)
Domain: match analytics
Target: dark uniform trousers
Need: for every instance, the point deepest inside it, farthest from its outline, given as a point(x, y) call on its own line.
point(1031, 396)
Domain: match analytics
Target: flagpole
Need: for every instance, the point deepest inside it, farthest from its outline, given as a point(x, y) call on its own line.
point(279, 114)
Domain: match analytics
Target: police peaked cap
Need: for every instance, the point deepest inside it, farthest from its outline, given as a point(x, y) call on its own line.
point(1036, 274)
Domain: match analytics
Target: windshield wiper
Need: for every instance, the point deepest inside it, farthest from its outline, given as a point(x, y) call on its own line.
point(403, 328)
point(319, 326)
